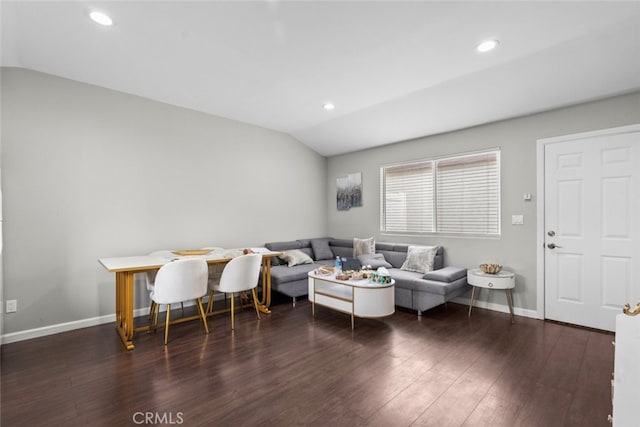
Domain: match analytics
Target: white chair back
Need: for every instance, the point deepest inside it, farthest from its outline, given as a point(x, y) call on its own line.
point(150, 276)
point(241, 273)
point(181, 280)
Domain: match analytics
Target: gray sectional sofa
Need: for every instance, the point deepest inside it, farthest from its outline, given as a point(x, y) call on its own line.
point(413, 290)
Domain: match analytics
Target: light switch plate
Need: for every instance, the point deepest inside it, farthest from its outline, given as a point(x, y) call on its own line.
point(12, 306)
point(517, 219)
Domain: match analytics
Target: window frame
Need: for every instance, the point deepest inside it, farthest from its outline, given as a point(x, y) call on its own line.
point(496, 219)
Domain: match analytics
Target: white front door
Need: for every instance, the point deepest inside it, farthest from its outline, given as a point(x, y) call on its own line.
point(592, 231)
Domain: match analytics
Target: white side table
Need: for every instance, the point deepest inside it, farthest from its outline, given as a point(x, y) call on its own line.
point(503, 280)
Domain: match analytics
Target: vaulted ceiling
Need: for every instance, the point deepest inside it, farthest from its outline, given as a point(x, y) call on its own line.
point(394, 70)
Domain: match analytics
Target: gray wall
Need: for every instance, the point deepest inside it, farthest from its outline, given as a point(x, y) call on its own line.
point(89, 172)
point(516, 247)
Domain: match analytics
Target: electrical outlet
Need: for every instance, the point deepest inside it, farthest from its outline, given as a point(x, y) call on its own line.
point(12, 306)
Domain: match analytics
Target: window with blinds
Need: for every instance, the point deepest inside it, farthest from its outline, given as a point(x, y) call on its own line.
point(454, 195)
point(408, 197)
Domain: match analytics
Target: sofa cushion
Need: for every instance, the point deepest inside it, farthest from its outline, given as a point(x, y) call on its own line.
point(343, 243)
point(341, 247)
point(321, 249)
point(295, 257)
point(281, 246)
point(396, 259)
point(384, 247)
point(283, 274)
point(420, 259)
point(446, 274)
point(363, 246)
point(374, 260)
point(413, 281)
point(404, 279)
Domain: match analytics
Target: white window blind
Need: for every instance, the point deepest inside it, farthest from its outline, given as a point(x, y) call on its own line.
point(455, 195)
point(408, 197)
point(468, 189)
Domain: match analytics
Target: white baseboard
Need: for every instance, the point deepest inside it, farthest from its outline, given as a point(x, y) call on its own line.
point(77, 324)
point(498, 307)
point(63, 327)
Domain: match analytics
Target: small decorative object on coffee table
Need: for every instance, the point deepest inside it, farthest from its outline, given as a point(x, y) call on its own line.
point(501, 279)
point(381, 275)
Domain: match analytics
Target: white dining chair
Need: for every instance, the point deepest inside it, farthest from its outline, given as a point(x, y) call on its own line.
point(240, 274)
point(150, 276)
point(179, 281)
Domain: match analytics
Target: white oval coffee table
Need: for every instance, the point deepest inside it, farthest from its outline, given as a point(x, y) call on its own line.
point(359, 298)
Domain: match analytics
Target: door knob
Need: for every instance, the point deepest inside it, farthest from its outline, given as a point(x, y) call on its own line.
point(553, 246)
point(551, 233)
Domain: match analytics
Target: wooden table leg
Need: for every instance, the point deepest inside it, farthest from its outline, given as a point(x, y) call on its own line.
point(473, 294)
point(124, 308)
point(267, 273)
point(510, 302)
point(265, 301)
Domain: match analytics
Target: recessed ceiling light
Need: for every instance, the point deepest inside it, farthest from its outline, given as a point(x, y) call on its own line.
point(101, 18)
point(328, 106)
point(487, 45)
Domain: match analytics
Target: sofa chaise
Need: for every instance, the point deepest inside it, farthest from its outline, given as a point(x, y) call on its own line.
point(413, 290)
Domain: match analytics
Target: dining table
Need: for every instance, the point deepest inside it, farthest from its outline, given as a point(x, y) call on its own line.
point(126, 267)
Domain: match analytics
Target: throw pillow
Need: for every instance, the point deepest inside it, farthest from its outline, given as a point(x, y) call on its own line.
point(363, 246)
point(420, 258)
point(295, 257)
point(321, 249)
point(374, 260)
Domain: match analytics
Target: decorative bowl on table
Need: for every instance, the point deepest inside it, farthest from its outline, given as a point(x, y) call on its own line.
point(490, 268)
point(323, 271)
point(192, 252)
point(342, 277)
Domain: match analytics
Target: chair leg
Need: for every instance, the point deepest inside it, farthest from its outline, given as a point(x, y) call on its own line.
point(255, 301)
point(166, 326)
point(202, 314)
point(232, 310)
point(182, 307)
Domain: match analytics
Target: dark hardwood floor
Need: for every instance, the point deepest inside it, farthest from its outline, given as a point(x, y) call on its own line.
point(443, 369)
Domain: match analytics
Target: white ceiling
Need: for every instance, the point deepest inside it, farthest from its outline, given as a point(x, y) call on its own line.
point(395, 70)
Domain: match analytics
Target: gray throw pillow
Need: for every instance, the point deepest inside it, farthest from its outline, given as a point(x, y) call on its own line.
point(321, 249)
point(295, 257)
point(374, 260)
point(420, 258)
point(363, 246)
